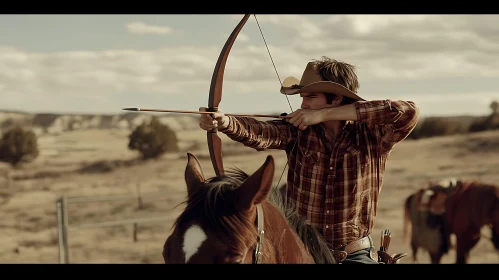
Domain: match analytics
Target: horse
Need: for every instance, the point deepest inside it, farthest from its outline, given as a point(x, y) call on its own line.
point(424, 221)
point(469, 207)
point(240, 219)
point(461, 208)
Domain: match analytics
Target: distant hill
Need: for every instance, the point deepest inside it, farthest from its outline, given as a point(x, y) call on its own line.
point(48, 123)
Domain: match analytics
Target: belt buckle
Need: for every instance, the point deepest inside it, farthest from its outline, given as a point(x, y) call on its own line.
point(339, 256)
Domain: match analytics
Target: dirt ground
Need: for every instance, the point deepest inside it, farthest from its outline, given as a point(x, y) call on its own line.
point(98, 163)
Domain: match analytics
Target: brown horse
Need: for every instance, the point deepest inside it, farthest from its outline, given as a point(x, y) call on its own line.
point(424, 220)
point(238, 218)
point(469, 207)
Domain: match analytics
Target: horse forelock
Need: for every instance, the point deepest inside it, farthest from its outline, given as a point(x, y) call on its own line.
point(213, 209)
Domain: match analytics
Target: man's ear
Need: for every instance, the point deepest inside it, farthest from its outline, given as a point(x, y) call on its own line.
point(337, 99)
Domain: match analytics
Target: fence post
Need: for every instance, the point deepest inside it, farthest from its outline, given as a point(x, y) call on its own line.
point(141, 206)
point(8, 179)
point(59, 230)
point(62, 230)
point(65, 227)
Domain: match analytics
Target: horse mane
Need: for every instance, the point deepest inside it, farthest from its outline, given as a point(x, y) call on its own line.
point(310, 236)
point(234, 228)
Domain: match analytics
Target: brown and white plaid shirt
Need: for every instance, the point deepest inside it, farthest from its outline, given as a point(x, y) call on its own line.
point(335, 185)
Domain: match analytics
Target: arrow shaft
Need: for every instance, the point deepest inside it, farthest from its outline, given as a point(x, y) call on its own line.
point(197, 112)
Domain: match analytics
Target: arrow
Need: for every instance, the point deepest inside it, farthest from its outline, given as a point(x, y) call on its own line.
point(282, 116)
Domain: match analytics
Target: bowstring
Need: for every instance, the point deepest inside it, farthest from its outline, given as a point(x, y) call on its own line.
point(275, 68)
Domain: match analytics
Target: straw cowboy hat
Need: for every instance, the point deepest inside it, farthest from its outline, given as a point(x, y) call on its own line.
point(311, 81)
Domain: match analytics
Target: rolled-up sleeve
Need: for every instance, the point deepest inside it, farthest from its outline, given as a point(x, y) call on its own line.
point(395, 118)
point(260, 135)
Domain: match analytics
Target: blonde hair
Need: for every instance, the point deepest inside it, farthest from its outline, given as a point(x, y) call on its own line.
point(338, 72)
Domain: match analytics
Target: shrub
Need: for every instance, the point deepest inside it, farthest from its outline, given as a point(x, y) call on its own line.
point(18, 145)
point(438, 126)
point(153, 139)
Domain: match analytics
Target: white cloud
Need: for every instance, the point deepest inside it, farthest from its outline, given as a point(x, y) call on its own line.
point(143, 28)
point(385, 48)
point(241, 37)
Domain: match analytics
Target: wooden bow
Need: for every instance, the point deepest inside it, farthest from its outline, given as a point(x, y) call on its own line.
point(214, 141)
point(215, 96)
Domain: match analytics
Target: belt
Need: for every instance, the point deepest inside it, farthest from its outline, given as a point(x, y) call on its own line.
point(341, 253)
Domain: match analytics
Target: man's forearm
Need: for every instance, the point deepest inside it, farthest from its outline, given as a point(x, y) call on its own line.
point(341, 113)
point(257, 134)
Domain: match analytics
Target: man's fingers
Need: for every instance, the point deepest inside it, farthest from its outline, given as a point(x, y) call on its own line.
point(207, 126)
point(295, 120)
point(298, 123)
point(291, 115)
point(214, 115)
point(217, 115)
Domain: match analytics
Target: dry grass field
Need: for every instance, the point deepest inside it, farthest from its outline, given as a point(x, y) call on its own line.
point(98, 163)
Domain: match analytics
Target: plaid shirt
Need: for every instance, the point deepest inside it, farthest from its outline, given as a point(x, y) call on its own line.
point(335, 185)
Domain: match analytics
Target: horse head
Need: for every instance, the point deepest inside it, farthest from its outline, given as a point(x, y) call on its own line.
point(228, 219)
point(218, 223)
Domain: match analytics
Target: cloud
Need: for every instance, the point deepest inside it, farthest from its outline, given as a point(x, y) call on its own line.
point(242, 37)
point(392, 49)
point(143, 28)
point(400, 46)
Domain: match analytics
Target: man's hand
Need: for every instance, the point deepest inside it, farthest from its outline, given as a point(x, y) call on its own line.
point(303, 118)
point(210, 121)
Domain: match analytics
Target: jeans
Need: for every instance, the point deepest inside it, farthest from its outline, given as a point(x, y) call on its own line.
point(360, 257)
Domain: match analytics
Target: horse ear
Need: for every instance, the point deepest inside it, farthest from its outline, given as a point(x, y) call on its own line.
point(256, 188)
point(194, 177)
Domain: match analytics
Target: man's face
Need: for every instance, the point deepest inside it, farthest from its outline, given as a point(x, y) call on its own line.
point(314, 100)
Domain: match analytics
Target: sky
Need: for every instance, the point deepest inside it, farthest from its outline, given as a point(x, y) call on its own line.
point(447, 64)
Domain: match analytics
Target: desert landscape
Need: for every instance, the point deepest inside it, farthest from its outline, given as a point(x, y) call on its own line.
point(95, 162)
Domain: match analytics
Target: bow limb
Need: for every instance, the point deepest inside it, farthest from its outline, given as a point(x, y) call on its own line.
point(215, 96)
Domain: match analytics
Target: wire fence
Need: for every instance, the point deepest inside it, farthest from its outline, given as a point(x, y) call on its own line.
point(64, 226)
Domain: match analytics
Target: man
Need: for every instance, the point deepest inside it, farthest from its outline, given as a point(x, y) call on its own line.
point(337, 145)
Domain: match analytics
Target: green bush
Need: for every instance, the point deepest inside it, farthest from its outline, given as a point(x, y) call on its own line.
point(18, 145)
point(479, 124)
point(153, 139)
point(487, 123)
point(438, 126)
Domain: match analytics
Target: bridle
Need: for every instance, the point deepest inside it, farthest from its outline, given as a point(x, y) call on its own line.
point(259, 243)
point(214, 141)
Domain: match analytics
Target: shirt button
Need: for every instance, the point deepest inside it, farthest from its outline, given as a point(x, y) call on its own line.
point(330, 168)
point(327, 212)
point(327, 226)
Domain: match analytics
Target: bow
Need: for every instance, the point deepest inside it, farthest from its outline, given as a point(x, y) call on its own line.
point(215, 95)
point(214, 142)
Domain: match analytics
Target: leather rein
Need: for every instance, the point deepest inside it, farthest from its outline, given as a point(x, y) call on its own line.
point(259, 244)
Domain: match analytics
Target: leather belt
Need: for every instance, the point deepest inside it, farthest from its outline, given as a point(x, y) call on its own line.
point(341, 253)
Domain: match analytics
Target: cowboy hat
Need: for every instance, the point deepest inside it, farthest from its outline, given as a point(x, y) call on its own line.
point(311, 81)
